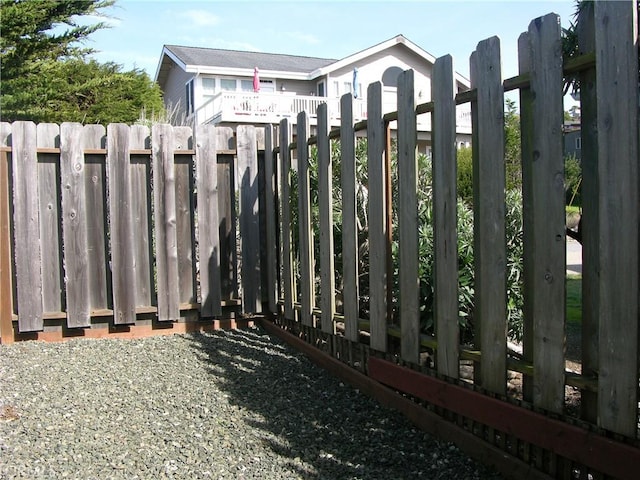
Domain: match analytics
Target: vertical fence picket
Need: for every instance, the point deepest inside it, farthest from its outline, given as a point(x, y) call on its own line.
point(26, 226)
point(288, 278)
point(95, 184)
point(225, 142)
point(408, 219)
point(590, 213)
point(489, 214)
point(248, 218)
point(547, 212)
point(350, 256)
point(183, 168)
point(121, 225)
point(271, 219)
point(208, 221)
point(307, 274)
point(49, 202)
point(6, 281)
point(377, 218)
point(74, 226)
point(445, 201)
point(617, 75)
point(528, 257)
point(325, 200)
point(164, 198)
point(140, 209)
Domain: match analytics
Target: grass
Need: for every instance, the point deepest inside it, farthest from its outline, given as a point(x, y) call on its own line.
point(574, 299)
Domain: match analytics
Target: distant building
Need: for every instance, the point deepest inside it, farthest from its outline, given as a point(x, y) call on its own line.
point(217, 86)
point(572, 139)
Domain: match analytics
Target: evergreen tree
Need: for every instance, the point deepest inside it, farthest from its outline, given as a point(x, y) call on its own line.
point(46, 75)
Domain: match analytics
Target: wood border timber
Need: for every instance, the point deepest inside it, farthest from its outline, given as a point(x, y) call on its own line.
point(600, 453)
point(419, 416)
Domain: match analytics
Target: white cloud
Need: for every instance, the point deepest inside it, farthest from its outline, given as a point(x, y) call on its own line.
point(200, 18)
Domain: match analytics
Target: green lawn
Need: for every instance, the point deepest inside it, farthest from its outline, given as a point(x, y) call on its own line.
point(574, 299)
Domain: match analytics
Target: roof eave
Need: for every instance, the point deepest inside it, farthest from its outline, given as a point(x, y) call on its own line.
point(245, 72)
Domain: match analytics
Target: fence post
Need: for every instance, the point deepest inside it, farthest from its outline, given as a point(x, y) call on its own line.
point(6, 290)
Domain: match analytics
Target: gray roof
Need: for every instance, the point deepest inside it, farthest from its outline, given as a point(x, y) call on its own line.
point(213, 57)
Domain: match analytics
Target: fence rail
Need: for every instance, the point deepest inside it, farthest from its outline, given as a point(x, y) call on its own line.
point(136, 227)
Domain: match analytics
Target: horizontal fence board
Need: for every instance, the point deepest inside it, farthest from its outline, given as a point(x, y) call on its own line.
point(121, 225)
point(249, 222)
point(208, 221)
point(350, 250)
point(548, 213)
point(409, 282)
point(325, 227)
point(305, 235)
point(617, 74)
point(26, 226)
point(377, 218)
point(445, 203)
point(48, 136)
point(489, 214)
point(74, 225)
point(164, 198)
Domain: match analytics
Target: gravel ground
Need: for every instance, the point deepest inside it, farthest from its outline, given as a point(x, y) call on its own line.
point(223, 405)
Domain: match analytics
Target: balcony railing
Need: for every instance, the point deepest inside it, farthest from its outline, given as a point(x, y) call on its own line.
point(243, 107)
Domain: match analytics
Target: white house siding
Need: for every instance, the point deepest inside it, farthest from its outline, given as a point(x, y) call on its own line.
point(174, 88)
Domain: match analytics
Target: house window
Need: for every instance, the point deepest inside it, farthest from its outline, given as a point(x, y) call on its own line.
point(578, 143)
point(390, 76)
point(321, 92)
point(208, 87)
point(336, 88)
point(190, 101)
point(347, 87)
point(246, 85)
point(228, 84)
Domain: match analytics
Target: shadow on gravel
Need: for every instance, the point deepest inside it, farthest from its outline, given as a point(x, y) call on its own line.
point(314, 425)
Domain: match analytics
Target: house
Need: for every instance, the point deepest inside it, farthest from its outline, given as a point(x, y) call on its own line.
point(229, 87)
point(572, 139)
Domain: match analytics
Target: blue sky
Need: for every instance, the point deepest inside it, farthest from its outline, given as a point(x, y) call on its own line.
point(329, 29)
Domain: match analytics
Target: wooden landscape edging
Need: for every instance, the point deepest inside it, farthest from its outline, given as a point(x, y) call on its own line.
point(507, 465)
point(595, 451)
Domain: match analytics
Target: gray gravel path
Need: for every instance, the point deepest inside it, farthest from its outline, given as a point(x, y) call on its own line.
point(224, 405)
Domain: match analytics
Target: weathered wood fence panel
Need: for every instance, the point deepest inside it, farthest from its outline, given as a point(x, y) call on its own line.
point(271, 171)
point(249, 223)
point(49, 205)
point(208, 221)
point(74, 226)
point(164, 201)
point(618, 203)
point(288, 277)
point(27, 226)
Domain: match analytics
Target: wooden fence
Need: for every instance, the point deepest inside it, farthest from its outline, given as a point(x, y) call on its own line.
point(125, 229)
point(602, 439)
point(132, 228)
